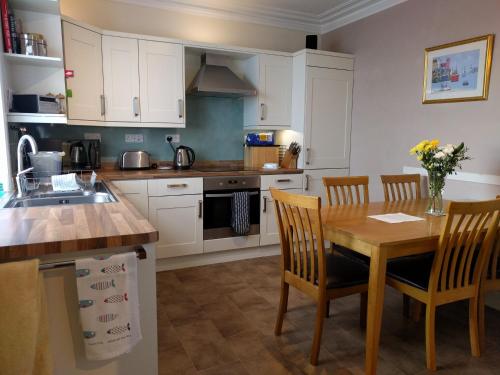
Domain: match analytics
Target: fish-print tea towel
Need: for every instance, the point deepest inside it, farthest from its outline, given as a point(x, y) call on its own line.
point(109, 304)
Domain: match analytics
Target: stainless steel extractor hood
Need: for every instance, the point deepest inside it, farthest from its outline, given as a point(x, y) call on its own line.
point(215, 80)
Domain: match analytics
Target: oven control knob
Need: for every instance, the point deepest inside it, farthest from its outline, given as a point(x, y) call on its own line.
point(221, 183)
point(243, 182)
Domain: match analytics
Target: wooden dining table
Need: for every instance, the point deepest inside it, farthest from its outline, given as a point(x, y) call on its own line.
point(350, 226)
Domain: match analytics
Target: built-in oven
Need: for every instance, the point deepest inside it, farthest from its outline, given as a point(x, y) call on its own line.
point(217, 205)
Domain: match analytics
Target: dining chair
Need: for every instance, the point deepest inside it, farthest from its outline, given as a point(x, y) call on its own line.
point(346, 190)
point(399, 187)
point(306, 265)
point(491, 281)
point(453, 273)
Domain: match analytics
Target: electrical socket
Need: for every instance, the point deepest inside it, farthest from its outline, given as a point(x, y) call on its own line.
point(92, 136)
point(134, 138)
point(176, 138)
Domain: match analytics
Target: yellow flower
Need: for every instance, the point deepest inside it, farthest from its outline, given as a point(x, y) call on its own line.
point(435, 143)
point(421, 146)
point(420, 157)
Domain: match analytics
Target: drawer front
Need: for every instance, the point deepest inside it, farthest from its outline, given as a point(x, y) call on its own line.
point(175, 186)
point(322, 61)
point(132, 186)
point(281, 181)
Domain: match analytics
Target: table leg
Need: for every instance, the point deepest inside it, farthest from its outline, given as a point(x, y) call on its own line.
point(376, 286)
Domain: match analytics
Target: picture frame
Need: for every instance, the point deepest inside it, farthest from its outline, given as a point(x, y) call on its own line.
point(458, 71)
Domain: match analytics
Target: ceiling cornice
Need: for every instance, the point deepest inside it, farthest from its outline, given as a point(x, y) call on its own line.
point(338, 16)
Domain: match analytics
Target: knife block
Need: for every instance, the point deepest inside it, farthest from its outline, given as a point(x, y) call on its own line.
point(289, 160)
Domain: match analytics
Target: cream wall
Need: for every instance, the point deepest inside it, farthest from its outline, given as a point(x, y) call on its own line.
point(388, 116)
point(150, 21)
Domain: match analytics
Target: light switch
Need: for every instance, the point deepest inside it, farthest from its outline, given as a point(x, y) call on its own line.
point(134, 138)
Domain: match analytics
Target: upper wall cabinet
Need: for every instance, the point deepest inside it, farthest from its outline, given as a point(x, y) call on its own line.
point(322, 104)
point(82, 55)
point(120, 63)
point(272, 76)
point(161, 68)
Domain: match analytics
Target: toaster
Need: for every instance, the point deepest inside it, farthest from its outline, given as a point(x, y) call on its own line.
point(134, 160)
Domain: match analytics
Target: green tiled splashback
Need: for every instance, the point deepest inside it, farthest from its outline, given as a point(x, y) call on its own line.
point(214, 129)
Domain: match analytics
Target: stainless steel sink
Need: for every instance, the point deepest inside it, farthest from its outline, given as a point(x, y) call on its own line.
point(44, 197)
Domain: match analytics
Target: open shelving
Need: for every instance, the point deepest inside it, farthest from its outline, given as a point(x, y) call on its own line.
point(52, 62)
point(44, 118)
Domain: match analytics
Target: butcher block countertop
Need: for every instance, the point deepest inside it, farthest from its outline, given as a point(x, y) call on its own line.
point(117, 174)
point(36, 231)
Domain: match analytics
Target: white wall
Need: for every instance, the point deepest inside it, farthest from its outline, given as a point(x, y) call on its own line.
point(5, 172)
point(118, 16)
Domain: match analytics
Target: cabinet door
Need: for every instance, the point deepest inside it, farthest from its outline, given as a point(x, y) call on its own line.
point(275, 90)
point(328, 118)
point(120, 61)
point(161, 71)
point(82, 55)
point(313, 181)
point(179, 222)
point(136, 192)
point(269, 232)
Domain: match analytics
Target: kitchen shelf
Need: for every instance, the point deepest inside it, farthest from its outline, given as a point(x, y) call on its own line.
point(50, 62)
point(43, 118)
point(41, 6)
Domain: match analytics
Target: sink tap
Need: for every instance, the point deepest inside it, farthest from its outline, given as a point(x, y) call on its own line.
point(21, 172)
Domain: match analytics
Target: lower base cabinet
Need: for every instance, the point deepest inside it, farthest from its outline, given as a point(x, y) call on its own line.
point(269, 232)
point(179, 221)
point(313, 181)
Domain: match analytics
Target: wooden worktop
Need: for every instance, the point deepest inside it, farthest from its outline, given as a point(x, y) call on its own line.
point(117, 174)
point(36, 231)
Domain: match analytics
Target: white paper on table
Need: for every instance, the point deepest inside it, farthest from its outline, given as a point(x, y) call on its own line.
point(396, 218)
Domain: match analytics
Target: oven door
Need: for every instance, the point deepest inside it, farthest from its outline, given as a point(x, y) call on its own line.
point(217, 214)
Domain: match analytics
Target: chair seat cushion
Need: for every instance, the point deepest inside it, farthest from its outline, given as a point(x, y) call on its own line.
point(412, 270)
point(351, 254)
point(343, 272)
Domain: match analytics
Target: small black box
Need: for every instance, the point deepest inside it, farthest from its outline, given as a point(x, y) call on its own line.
point(311, 41)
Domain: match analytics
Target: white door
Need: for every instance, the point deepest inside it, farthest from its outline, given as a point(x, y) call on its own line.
point(328, 118)
point(275, 90)
point(313, 181)
point(179, 221)
point(120, 61)
point(82, 55)
point(161, 71)
point(269, 232)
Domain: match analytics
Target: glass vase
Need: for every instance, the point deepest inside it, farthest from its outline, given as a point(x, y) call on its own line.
point(436, 186)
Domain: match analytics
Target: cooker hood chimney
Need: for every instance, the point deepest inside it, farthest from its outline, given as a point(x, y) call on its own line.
point(215, 80)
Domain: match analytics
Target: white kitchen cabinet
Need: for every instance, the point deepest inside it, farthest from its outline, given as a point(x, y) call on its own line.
point(136, 192)
point(161, 71)
point(269, 232)
point(82, 55)
point(272, 77)
point(313, 181)
point(322, 105)
point(120, 61)
point(179, 221)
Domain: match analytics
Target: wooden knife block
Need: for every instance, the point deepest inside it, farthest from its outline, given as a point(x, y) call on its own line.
point(255, 157)
point(289, 160)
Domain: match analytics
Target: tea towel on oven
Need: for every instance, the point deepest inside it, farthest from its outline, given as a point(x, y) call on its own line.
point(109, 304)
point(240, 220)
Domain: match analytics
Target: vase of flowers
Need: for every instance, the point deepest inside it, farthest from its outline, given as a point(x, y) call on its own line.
point(439, 161)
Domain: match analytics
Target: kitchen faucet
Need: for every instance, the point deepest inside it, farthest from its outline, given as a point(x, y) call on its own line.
point(21, 173)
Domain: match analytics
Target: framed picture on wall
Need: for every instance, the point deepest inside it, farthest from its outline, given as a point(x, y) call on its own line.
point(459, 71)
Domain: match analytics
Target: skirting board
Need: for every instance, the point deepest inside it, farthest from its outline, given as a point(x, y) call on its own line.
point(488, 179)
point(188, 261)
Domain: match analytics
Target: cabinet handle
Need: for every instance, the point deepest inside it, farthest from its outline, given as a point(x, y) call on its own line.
point(308, 156)
point(283, 180)
point(264, 208)
point(173, 186)
point(103, 105)
point(262, 108)
point(306, 188)
point(200, 209)
point(181, 108)
point(136, 106)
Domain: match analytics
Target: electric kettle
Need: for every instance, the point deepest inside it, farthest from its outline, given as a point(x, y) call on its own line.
point(78, 155)
point(184, 156)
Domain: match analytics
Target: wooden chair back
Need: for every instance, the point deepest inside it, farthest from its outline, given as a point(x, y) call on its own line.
point(347, 190)
point(401, 187)
point(494, 262)
point(301, 235)
point(464, 247)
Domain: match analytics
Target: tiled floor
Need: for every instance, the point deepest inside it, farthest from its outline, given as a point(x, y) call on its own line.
point(219, 320)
